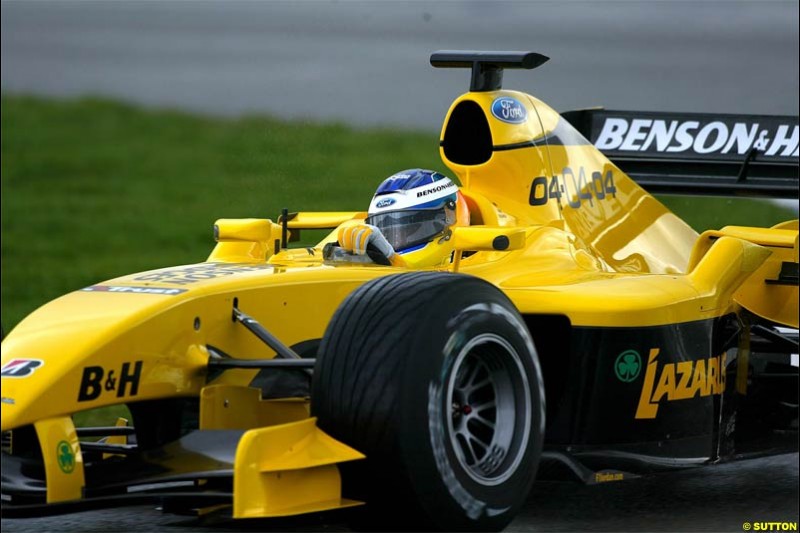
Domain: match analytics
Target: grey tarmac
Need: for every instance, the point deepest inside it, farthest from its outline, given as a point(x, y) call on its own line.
point(714, 498)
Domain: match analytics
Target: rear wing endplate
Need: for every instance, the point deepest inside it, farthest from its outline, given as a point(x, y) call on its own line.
point(698, 153)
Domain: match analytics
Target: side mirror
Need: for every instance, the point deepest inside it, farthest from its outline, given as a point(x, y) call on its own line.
point(245, 240)
point(245, 230)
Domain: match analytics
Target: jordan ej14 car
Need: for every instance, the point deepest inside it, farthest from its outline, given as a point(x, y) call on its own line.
point(575, 326)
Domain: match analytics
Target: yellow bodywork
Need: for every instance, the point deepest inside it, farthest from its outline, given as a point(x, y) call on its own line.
point(289, 469)
point(597, 257)
point(63, 461)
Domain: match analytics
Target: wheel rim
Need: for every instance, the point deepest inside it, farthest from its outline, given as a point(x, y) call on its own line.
point(488, 409)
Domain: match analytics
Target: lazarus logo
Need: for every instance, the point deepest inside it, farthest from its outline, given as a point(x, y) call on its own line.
point(683, 380)
point(20, 368)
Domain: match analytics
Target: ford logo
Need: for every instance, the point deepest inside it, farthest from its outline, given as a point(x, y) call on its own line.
point(509, 110)
point(386, 202)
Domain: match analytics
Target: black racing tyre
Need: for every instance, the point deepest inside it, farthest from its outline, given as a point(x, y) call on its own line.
point(435, 378)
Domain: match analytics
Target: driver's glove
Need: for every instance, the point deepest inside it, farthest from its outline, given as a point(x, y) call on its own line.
point(355, 239)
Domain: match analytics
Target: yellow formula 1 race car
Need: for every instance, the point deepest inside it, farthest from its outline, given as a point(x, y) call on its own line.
point(576, 325)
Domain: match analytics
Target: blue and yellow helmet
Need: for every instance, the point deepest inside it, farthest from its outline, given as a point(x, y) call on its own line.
point(415, 210)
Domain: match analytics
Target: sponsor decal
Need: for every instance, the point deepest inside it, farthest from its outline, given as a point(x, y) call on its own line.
point(436, 188)
point(65, 457)
point(699, 136)
point(509, 110)
point(573, 187)
point(605, 477)
point(628, 365)
point(97, 380)
point(8, 401)
point(202, 272)
point(20, 368)
point(385, 202)
point(133, 290)
point(682, 380)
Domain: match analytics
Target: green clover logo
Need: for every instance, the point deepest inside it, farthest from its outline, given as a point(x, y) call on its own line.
point(66, 459)
point(628, 365)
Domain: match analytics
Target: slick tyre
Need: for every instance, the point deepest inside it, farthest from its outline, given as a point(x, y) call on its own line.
point(435, 378)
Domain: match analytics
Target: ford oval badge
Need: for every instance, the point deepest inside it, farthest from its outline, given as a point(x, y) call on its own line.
point(386, 202)
point(509, 110)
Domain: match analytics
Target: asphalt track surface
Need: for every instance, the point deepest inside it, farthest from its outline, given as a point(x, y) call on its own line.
point(718, 498)
point(367, 64)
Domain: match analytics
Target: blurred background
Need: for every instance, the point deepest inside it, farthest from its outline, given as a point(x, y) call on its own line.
point(129, 127)
point(366, 63)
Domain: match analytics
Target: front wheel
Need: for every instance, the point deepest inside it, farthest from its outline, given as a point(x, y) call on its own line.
point(435, 378)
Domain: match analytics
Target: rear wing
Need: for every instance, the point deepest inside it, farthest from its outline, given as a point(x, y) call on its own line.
point(698, 153)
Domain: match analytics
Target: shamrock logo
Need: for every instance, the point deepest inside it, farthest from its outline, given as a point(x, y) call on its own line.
point(66, 459)
point(628, 365)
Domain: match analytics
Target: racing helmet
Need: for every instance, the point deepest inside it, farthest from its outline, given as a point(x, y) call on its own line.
point(415, 210)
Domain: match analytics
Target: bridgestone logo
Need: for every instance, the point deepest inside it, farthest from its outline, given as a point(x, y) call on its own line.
point(729, 137)
point(438, 188)
point(20, 368)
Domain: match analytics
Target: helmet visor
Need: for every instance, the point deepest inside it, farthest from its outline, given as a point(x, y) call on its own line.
point(410, 227)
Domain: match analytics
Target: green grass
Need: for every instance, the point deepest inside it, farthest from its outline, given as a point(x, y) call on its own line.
point(102, 416)
point(93, 189)
point(713, 213)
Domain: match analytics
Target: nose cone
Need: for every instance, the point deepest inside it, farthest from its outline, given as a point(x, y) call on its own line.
point(42, 362)
point(48, 357)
